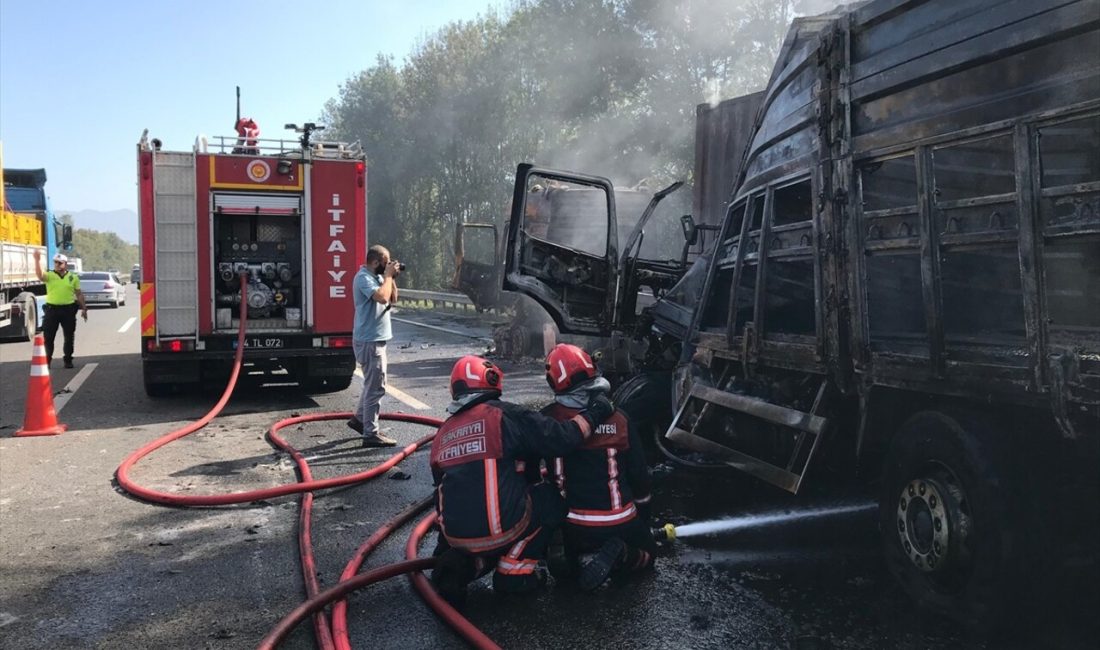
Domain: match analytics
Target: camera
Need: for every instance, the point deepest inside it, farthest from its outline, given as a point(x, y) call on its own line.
point(400, 266)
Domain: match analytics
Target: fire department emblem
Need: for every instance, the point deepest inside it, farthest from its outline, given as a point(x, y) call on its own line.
point(259, 171)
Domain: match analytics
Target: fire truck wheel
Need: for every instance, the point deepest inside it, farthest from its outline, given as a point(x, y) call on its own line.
point(646, 399)
point(950, 526)
point(153, 380)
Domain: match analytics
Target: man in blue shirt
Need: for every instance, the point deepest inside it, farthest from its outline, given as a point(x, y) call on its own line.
point(375, 291)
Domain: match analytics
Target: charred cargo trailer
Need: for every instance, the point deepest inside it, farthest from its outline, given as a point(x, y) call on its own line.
point(288, 216)
point(905, 290)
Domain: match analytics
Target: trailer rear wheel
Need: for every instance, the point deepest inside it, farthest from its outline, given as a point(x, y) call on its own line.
point(951, 528)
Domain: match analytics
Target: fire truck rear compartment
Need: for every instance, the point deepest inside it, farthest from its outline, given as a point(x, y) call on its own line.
point(268, 248)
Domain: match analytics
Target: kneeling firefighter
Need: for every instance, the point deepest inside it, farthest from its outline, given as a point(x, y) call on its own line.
point(493, 509)
point(605, 482)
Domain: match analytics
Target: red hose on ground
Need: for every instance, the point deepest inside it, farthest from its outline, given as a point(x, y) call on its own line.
point(305, 542)
point(340, 609)
point(339, 590)
point(146, 494)
point(412, 566)
point(442, 608)
point(336, 636)
point(123, 472)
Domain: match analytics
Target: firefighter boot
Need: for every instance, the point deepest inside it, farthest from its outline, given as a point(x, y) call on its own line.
point(523, 583)
point(562, 566)
point(453, 571)
point(595, 572)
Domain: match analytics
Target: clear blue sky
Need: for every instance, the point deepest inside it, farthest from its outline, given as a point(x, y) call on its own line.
point(80, 80)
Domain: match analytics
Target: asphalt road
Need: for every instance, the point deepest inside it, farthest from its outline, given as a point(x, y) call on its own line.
point(85, 566)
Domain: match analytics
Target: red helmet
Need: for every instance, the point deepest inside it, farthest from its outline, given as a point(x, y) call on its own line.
point(472, 374)
point(568, 366)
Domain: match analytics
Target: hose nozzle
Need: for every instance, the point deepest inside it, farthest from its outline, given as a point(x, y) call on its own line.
point(665, 533)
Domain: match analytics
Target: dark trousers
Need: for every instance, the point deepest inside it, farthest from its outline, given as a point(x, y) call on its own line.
point(641, 547)
point(515, 569)
point(515, 564)
point(65, 316)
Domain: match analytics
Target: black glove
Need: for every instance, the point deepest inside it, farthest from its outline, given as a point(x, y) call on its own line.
point(598, 410)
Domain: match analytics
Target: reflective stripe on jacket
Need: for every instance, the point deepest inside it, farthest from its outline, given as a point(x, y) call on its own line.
point(602, 480)
point(478, 462)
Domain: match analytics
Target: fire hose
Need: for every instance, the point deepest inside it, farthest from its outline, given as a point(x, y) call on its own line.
point(329, 635)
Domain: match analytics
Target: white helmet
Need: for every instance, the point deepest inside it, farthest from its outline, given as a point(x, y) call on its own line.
point(60, 258)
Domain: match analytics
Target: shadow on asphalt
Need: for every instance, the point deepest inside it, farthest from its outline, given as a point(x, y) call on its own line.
point(113, 395)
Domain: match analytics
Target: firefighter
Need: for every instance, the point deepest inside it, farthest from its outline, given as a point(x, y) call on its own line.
point(494, 511)
point(605, 482)
point(247, 133)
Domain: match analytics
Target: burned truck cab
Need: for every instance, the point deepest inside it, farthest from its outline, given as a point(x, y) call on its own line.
point(595, 257)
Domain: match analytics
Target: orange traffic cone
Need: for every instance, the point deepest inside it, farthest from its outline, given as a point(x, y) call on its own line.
point(40, 418)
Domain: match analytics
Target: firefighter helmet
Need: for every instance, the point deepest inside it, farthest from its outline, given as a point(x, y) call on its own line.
point(568, 366)
point(472, 374)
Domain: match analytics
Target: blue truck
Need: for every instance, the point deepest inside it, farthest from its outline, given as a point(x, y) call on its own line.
point(27, 226)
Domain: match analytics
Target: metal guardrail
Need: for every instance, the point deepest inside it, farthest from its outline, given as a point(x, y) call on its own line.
point(462, 301)
point(437, 298)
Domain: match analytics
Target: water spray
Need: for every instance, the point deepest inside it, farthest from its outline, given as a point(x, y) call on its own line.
point(668, 532)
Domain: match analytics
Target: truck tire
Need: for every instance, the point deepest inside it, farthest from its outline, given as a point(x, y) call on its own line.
point(951, 526)
point(154, 387)
point(647, 401)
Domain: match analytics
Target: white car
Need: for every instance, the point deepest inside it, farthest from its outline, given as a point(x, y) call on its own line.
point(101, 288)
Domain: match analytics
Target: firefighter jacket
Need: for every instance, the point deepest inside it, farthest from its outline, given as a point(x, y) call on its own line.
point(606, 478)
point(479, 457)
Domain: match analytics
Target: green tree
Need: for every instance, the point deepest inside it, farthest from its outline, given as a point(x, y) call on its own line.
point(601, 86)
point(102, 251)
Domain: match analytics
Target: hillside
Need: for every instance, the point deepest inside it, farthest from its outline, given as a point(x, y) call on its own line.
point(123, 223)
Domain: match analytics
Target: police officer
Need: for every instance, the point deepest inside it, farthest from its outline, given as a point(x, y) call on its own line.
point(62, 297)
point(492, 513)
point(605, 481)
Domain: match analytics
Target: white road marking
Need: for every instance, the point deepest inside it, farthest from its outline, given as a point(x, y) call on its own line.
point(399, 394)
point(127, 324)
point(406, 398)
point(61, 400)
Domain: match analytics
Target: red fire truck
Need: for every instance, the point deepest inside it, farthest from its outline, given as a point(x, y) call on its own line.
point(288, 215)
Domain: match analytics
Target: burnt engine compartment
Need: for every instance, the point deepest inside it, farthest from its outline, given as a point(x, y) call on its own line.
point(268, 248)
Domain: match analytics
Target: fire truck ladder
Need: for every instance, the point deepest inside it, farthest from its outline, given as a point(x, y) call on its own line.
point(808, 428)
point(176, 244)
